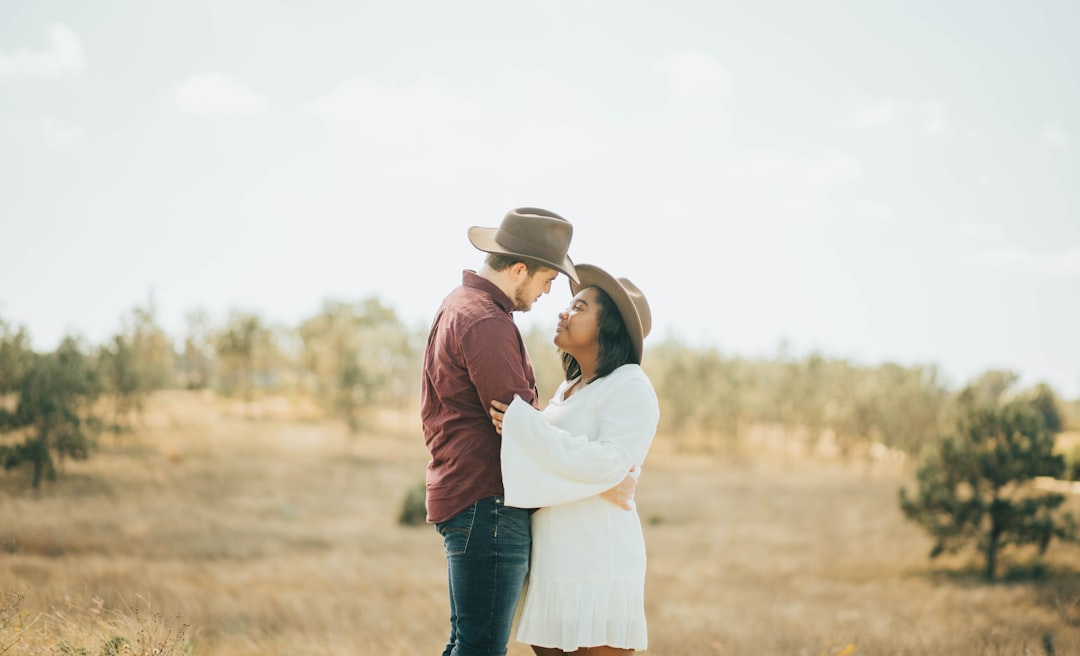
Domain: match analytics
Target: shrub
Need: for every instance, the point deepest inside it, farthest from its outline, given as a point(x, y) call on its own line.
point(413, 508)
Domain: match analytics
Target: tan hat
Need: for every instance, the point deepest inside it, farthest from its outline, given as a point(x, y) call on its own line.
point(530, 232)
point(633, 307)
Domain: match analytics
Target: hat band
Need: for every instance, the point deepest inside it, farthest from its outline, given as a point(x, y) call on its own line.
point(525, 247)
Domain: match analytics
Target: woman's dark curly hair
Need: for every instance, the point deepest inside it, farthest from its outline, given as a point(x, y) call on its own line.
point(615, 346)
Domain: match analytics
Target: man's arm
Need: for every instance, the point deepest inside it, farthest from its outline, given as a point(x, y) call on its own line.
point(495, 362)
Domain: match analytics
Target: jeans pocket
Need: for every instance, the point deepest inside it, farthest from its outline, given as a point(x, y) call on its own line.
point(514, 527)
point(457, 530)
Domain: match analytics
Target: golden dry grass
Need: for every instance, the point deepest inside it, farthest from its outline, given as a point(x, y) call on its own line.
point(268, 531)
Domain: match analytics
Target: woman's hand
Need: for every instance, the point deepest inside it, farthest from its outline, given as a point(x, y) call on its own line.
point(498, 410)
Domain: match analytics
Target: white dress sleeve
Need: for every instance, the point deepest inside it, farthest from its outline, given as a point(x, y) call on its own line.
point(543, 465)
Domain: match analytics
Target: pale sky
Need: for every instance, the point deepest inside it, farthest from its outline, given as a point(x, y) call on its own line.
point(894, 180)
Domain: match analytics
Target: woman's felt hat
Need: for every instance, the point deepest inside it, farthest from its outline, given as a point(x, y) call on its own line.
point(632, 304)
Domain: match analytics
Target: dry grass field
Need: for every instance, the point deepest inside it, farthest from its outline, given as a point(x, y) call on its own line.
point(215, 531)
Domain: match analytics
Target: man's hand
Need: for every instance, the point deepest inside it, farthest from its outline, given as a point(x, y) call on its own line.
point(622, 494)
point(498, 410)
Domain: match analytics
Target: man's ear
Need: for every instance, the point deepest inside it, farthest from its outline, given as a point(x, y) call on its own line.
point(519, 271)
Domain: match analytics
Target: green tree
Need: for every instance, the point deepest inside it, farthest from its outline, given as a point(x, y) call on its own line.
point(850, 407)
point(975, 485)
point(16, 357)
point(54, 412)
point(123, 378)
point(247, 354)
point(358, 354)
point(910, 406)
point(701, 392)
point(1071, 414)
point(1045, 402)
point(990, 387)
point(195, 364)
point(153, 351)
point(134, 363)
point(669, 365)
point(787, 388)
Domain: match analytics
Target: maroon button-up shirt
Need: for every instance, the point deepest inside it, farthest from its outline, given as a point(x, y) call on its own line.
point(474, 354)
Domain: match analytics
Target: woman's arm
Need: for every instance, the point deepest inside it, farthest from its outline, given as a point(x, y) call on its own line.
point(544, 465)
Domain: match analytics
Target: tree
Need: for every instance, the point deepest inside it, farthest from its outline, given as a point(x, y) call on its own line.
point(16, 357)
point(54, 412)
point(247, 354)
point(990, 387)
point(851, 407)
point(195, 366)
point(358, 353)
point(122, 376)
point(1045, 402)
point(135, 362)
point(910, 405)
point(152, 348)
point(701, 392)
point(975, 485)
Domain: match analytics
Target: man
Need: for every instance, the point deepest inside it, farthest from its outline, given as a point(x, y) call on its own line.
point(474, 354)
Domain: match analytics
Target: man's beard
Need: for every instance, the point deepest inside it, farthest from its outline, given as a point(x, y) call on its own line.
point(521, 302)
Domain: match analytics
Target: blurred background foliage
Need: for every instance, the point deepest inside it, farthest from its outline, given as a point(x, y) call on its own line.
point(353, 357)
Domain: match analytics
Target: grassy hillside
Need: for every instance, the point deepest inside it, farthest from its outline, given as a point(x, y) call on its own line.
point(229, 531)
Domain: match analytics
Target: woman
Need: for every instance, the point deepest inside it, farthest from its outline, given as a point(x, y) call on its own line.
point(585, 592)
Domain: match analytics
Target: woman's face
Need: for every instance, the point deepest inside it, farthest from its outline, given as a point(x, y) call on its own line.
point(579, 325)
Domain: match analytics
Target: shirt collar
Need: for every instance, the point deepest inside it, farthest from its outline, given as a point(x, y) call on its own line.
point(472, 279)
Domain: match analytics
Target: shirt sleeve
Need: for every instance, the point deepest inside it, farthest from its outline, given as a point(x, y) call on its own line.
point(544, 465)
point(497, 362)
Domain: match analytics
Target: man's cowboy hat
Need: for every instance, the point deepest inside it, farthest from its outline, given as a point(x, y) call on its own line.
point(632, 305)
point(529, 232)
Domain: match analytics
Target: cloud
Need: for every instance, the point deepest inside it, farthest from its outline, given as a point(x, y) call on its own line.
point(932, 116)
point(425, 123)
point(63, 56)
point(217, 93)
point(366, 106)
point(778, 170)
point(1055, 136)
point(877, 114)
point(1065, 264)
point(973, 230)
point(387, 136)
point(935, 118)
point(876, 212)
point(831, 170)
point(693, 77)
point(546, 87)
point(59, 136)
point(781, 188)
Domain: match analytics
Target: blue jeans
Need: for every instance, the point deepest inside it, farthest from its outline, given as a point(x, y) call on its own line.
point(487, 558)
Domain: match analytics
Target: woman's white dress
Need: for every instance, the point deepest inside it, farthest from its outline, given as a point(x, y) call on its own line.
point(586, 583)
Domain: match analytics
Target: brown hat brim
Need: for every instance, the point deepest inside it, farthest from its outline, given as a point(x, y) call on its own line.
point(632, 304)
point(484, 240)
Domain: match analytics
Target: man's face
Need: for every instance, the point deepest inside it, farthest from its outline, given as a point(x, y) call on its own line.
point(533, 287)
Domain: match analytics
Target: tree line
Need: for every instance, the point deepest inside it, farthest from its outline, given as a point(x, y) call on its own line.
point(351, 356)
point(54, 405)
point(977, 450)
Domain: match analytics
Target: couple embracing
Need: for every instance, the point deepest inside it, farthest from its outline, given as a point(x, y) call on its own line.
point(537, 507)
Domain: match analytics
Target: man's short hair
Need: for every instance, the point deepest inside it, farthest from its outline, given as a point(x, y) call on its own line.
point(500, 261)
